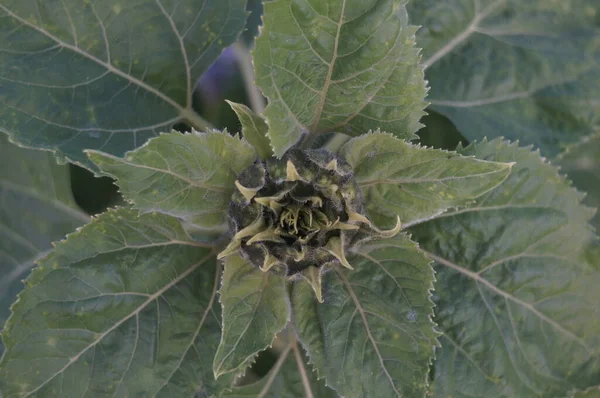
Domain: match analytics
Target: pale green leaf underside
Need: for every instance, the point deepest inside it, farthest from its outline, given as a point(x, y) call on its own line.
point(372, 336)
point(581, 162)
point(290, 377)
point(415, 183)
point(190, 176)
point(524, 70)
point(255, 308)
point(106, 75)
point(515, 298)
point(37, 208)
point(338, 65)
point(126, 306)
point(254, 129)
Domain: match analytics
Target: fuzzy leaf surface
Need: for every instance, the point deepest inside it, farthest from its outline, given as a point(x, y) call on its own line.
point(290, 377)
point(106, 75)
point(373, 335)
point(190, 176)
point(37, 209)
point(515, 298)
point(523, 70)
point(338, 65)
point(254, 129)
point(126, 306)
point(416, 183)
point(255, 308)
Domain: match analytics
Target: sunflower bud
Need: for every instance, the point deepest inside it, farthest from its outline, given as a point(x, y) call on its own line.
point(298, 215)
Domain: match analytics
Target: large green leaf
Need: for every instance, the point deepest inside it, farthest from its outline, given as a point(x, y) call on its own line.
point(290, 377)
point(338, 65)
point(581, 162)
point(190, 176)
point(126, 306)
point(515, 298)
point(522, 69)
point(255, 308)
point(416, 183)
point(106, 75)
point(373, 335)
point(37, 208)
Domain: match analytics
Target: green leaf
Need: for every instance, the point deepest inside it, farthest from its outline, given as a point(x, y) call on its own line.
point(254, 129)
point(126, 306)
point(37, 208)
point(581, 162)
point(373, 335)
point(416, 183)
point(525, 70)
point(255, 308)
point(106, 75)
point(190, 176)
point(338, 65)
point(515, 298)
point(290, 377)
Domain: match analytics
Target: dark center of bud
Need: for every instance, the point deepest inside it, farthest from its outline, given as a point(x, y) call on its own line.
point(297, 213)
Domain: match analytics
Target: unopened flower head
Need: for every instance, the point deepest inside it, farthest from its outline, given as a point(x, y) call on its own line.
point(298, 215)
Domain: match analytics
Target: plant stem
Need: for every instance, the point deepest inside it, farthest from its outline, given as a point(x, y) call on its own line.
point(195, 120)
point(257, 101)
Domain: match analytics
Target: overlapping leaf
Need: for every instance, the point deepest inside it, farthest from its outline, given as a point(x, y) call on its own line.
point(37, 208)
point(254, 129)
point(415, 183)
point(338, 65)
point(106, 75)
point(185, 175)
point(515, 298)
point(372, 336)
point(520, 69)
point(290, 377)
point(255, 308)
point(126, 306)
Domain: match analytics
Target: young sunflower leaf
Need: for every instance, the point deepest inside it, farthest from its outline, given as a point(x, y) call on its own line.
point(415, 183)
point(37, 208)
point(338, 65)
point(191, 176)
point(290, 377)
point(521, 69)
point(515, 298)
point(106, 75)
point(255, 308)
point(126, 298)
point(254, 129)
point(373, 335)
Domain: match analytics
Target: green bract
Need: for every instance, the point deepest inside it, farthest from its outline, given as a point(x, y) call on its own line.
point(298, 215)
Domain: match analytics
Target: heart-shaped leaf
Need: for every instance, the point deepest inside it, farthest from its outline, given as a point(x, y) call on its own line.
point(516, 298)
point(106, 75)
point(373, 335)
point(338, 65)
point(126, 306)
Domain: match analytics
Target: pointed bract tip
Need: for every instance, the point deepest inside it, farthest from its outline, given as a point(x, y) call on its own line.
point(313, 276)
point(333, 165)
point(291, 172)
point(248, 193)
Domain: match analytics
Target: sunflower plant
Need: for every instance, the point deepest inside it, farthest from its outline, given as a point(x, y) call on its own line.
point(322, 235)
